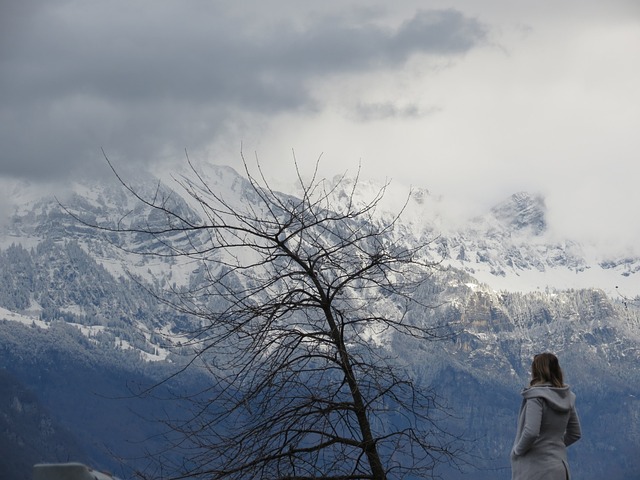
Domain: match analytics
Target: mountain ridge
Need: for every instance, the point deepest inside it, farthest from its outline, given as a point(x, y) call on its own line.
point(510, 245)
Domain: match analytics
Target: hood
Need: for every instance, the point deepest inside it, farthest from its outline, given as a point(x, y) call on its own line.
point(561, 399)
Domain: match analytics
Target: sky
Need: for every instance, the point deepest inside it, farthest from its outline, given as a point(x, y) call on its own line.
point(472, 100)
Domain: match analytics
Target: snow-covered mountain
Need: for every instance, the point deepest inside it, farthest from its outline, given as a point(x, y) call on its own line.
point(507, 286)
point(509, 248)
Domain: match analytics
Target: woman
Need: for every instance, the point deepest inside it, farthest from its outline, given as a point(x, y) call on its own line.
point(547, 424)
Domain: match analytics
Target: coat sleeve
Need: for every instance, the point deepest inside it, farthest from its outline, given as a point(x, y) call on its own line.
point(573, 432)
point(531, 428)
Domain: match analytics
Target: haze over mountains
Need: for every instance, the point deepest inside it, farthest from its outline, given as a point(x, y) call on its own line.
point(76, 331)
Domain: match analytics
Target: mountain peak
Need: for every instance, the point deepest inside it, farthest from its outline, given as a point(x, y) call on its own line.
point(522, 211)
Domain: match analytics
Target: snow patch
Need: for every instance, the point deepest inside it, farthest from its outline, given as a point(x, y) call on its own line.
point(20, 318)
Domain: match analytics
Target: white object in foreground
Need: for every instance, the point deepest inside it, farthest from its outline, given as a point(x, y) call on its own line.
point(67, 471)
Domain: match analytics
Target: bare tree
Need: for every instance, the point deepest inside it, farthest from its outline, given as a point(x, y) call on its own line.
point(294, 296)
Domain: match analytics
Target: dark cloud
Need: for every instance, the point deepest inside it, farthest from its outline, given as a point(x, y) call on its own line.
point(148, 78)
point(440, 32)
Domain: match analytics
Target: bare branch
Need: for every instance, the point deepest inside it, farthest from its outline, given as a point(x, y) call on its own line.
point(290, 292)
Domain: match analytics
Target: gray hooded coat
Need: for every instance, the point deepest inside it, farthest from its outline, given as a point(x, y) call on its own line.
point(547, 424)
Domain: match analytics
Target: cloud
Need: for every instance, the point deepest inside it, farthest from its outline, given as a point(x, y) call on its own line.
point(148, 78)
point(441, 32)
point(388, 110)
point(541, 101)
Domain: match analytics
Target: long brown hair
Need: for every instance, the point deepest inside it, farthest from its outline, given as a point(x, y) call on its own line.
point(545, 368)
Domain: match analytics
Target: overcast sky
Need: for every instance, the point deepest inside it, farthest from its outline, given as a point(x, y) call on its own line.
point(472, 100)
